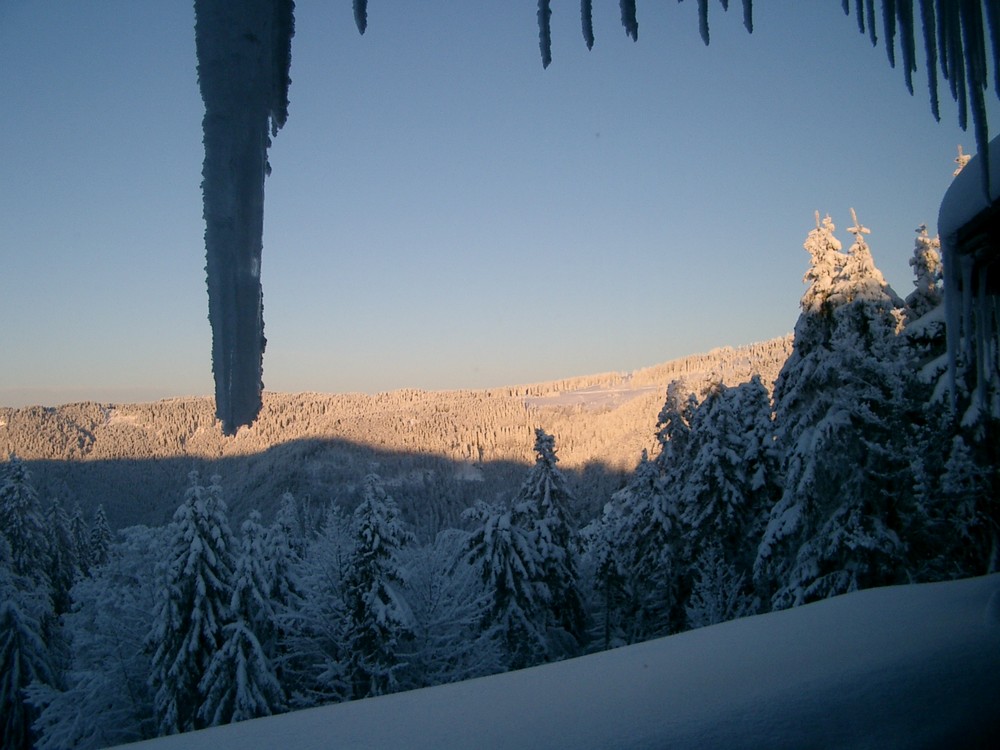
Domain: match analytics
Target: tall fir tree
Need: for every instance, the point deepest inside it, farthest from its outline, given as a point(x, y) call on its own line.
point(973, 511)
point(444, 593)
point(193, 606)
point(505, 553)
point(838, 409)
point(240, 682)
point(727, 492)
point(100, 537)
point(24, 653)
point(313, 653)
point(106, 699)
point(64, 566)
point(81, 539)
point(637, 554)
point(379, 620)
point(544, 505)
point(23, 525)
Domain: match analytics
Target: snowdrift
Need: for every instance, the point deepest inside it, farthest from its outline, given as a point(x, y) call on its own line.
point(907, 666)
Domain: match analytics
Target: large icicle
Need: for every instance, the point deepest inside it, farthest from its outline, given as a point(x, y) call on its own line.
point(545, 32)
point(244, 51)
point(587, 21)
point(628, 19)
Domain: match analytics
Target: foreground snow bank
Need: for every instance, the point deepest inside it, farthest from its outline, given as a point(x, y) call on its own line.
point(906, 666)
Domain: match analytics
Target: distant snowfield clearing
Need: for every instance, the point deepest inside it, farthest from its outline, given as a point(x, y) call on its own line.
point(906, 666)
point(592, 398)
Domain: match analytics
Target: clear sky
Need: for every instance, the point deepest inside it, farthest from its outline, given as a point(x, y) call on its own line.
point(442, 212)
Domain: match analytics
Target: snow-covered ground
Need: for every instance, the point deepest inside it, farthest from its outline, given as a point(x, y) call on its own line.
point(908, 666)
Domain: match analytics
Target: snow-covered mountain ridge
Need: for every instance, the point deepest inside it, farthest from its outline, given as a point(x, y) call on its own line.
point(898, 667)
point(133, 457)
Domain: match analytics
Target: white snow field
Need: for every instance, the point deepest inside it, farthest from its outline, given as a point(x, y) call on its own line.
point(900, 667)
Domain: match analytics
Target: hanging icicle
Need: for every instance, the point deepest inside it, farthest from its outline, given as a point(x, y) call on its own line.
point(904, 17)
point(629, 20)
point(993, 21)
point(361, 14)
point(244, 51)
point(889, 29)
point(703, 20)
point(587, 21)
point(545, 32)
point(930, 52)
point(870, 13)
point(748, 15)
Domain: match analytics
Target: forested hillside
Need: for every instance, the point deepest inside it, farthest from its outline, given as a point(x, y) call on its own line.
point(133, 458)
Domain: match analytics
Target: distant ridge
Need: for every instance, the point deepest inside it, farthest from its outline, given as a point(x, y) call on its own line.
point(603, 421)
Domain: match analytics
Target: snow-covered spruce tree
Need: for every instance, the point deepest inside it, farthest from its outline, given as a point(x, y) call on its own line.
point(603, 565)
point(240, 682)
point(81, 539)
point(505, 554)
point(379, 620)
point(544, 505)
point(825, 264)
point(974, 512)
point(100, 537)
point(312, 651)
point(283, 547)
point(106, 699)
point(447, 601)
point(719, 590)
point(24, 654)
point(729, 487)
point(63, 565)
point(637, 556)
point(23, 525)
point(927, 271)
point(193, 606)
point(839, 407)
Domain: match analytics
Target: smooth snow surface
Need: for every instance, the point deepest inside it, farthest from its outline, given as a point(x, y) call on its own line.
point(907, 666)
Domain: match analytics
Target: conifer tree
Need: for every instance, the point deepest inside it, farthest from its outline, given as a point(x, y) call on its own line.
point(24, 654)
point(838, 411)
point(63, 565)
point(728, 489)
point(650, 543)
point(100, 537)
point(637, 558)
point(927, 271)
point(607, 551)
point(379, 620)
point(313, 648)
point(240, 682)
point(106, 699)
point(23, 525)
point(506, 555)
point(193, 606)
point(974, 513)
point(719, 590)
point(444, 593)
point(544, 504)
point(81, 539)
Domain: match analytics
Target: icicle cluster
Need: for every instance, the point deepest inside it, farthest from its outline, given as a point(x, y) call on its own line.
point(955, 36)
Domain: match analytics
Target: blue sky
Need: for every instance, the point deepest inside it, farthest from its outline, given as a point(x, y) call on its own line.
point(442, 212)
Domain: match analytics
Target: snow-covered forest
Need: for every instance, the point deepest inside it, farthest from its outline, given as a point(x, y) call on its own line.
point(851, 473)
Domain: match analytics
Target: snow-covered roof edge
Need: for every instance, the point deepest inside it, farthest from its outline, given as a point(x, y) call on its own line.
point(964, 200)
